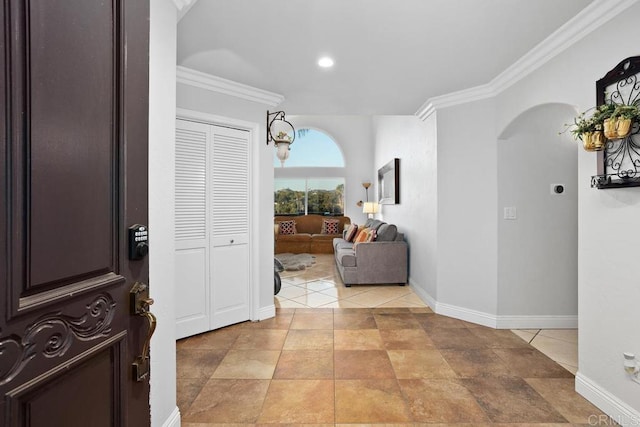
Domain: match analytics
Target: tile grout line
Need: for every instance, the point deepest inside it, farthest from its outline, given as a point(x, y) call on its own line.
point(534, 337)
point(556, 338)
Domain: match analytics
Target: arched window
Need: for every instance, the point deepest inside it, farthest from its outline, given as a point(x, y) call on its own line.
point(312, 148)
point(312, 179)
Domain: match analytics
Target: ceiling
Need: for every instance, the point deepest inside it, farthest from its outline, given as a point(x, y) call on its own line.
point(390, 55)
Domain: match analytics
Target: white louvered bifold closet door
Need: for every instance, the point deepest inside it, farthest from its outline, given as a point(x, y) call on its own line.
point(230, 191)
point(192, 241)
point(212, 227)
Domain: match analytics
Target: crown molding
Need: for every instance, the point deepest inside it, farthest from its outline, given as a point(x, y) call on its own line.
point(588, 20)
point(212, 83)
point(454, 98)
point(426, 110)
point(181, 4)
point(183, 7)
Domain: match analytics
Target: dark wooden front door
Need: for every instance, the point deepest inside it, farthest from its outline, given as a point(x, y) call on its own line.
point(73, 178)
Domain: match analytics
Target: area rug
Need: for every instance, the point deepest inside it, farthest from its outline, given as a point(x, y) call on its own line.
point(296, 262)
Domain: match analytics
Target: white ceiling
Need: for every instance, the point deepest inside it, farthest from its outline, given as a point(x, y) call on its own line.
point(391, 55)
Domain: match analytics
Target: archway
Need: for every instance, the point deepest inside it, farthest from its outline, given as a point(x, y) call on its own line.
point(538, 225)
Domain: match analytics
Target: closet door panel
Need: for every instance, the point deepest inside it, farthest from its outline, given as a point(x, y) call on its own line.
point(230, 296)
point(230, 226)
point(230, 184)
point(192, 292)
point(192, 237)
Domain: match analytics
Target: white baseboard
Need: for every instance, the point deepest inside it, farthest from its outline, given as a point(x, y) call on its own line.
point(466, 314)
point(173, 420)
point(537, 322)
point(266, 312)
point(491, 320)
point(461, 313)
point(422, 294)
point(619, 411)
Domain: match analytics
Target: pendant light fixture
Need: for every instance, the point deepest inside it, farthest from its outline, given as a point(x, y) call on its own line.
point(282, 133)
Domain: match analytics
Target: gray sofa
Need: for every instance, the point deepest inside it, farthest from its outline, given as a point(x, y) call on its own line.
point(383, 261)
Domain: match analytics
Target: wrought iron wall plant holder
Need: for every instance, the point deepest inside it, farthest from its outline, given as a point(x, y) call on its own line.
point(618, 165)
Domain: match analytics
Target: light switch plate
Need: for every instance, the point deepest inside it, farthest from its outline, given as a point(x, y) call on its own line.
point(510, 212)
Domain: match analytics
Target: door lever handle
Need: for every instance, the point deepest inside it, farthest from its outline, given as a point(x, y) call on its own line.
point(143, 305)
point(140, 304)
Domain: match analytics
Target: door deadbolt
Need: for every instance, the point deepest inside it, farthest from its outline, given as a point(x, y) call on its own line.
point(138, 241)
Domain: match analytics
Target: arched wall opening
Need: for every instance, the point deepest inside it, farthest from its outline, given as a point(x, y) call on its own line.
point(538, 224)
point(312, 180)
point(313, 148)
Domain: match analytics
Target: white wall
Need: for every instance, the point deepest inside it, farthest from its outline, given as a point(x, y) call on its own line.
point(214, 103)
point(162, 107)
point(608, 267)
point(467, 200)
point(608, 262)
point(414, 143)
point(353, 135)
point(538, 251)
point(453, 217)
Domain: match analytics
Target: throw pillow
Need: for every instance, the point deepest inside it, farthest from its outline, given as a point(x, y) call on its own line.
point(369, 236)
point(351, 232)
point(362, 235)
point(330, 226)
point(287, 227)
point(387, 233)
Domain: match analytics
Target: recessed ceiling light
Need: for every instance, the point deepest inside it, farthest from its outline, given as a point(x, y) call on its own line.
point(325, 62)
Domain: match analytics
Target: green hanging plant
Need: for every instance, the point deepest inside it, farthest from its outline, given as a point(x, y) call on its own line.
point(621, 120)
point(585, 123)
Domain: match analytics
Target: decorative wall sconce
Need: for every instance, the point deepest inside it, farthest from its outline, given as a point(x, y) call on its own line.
point(282, 133)
point(366, 186)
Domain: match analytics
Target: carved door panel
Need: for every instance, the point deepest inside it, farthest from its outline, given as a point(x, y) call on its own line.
point(73, 178)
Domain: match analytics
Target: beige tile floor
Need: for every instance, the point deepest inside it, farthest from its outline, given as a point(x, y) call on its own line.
point(560, 345)
point(321, 286)
point(375, 355)
point(384, 366)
